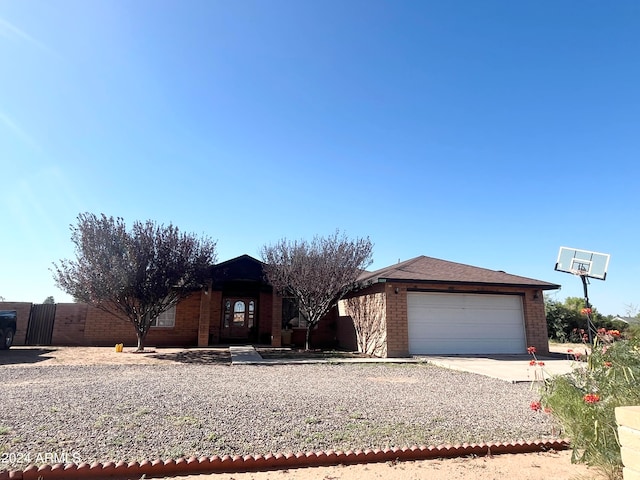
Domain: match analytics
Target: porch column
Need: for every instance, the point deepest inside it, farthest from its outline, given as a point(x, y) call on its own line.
point(205, 309)
point(276, 321)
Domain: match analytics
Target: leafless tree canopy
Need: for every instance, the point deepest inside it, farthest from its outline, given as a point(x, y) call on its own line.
point(139, 273)
point(369, 321)
point(316, 273)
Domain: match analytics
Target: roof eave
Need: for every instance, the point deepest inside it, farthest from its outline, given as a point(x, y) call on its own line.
point(545, 286)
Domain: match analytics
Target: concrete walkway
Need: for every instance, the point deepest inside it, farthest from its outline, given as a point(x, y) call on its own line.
point(244, 355)
point(510, 368)
point(247, 355)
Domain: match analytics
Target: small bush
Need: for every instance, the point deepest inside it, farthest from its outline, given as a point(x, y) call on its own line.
point(584, 401)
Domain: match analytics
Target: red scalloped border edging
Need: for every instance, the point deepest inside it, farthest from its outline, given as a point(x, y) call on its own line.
point(237, 463)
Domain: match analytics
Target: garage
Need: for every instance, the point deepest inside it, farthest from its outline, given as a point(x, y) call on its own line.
point(460, 323)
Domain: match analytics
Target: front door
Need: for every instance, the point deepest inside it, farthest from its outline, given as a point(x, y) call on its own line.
point(238, 318)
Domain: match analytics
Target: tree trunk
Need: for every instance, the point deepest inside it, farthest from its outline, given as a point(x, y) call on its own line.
point(140, 336)
point(308, 336)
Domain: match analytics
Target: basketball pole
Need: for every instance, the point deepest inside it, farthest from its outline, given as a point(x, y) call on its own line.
point(587, 305)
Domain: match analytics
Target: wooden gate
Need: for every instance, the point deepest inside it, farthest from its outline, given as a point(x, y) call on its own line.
point(40, 328)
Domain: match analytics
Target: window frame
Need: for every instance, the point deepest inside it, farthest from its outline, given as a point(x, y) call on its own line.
point(167, 319)
point(302, 320)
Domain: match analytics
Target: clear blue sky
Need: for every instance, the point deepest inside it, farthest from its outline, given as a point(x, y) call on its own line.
point(483, 132)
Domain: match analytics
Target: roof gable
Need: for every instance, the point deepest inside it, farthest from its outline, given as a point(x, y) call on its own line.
point(242, 268)
point(433, 270)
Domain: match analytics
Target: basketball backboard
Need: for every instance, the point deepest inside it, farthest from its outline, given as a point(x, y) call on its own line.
point(583, 263)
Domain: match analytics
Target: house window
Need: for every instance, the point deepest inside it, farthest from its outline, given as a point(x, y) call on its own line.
point(252, 311)
point(165, 319)
point(238, 314)
point(291, 315)
point(227, 313)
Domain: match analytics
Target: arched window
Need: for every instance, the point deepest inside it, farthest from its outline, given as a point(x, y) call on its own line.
point(239, 309)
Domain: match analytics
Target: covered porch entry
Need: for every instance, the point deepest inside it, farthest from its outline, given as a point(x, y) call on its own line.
point(242, 306)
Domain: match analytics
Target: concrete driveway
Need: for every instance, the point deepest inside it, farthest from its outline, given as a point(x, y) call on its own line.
point(510, 368)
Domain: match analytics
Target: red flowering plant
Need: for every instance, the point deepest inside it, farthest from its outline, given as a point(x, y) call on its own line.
point(539, 372)
point(583, 401)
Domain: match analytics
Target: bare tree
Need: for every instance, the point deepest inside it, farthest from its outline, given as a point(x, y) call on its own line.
point(137, 274)
point(316, 273)
point(369, 321)
point(49, 300)
point(632, 310)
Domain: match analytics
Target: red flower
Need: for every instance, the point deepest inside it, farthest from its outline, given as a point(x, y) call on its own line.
point(577, 355)
point(531, 350)
point(532, 363)
point(547, 410)
point(570, 350)
point(607, 364)
point(541, 364)
point(586, 311)
point(535, 406)
point(592, 398)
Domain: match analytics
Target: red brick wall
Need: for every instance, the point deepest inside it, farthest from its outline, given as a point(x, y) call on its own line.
point(215, 316)
point(103, 329)
point(69, 324)
point(397, 325)
point(23, 310)
point(265, 317)
point(346, 334)
point(535, 321)
point(276, 320)
point(324, 336)
point(204, 319)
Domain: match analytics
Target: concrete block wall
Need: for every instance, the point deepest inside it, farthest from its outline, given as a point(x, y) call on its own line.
point(23, 311)
point(628, 419)
point(69, 324)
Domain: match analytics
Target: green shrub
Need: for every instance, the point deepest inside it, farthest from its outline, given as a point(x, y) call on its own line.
point(584, 401)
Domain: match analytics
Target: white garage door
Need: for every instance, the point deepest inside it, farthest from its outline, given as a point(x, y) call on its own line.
point(456, 323)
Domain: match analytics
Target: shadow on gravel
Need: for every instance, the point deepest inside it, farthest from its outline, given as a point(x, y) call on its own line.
point(24, 355)
point(197, 357)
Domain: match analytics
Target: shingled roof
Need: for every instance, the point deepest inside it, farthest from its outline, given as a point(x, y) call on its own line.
point(433, 270)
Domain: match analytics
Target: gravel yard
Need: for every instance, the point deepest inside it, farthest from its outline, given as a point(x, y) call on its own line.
point(136, 412)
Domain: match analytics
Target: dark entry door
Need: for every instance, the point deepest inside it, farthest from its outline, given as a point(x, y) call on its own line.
point(238, 318)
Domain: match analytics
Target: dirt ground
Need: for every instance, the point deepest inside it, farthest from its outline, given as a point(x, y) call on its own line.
point(32, 356)
point(524, 466)
point(45, 356)
point(532, 466)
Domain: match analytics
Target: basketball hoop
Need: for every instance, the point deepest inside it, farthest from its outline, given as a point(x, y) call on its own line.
point(584, 264)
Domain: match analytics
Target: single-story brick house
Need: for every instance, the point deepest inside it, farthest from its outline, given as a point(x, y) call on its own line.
point(428, 306)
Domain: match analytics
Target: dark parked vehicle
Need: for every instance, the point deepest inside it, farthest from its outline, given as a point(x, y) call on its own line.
point(8, 320)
